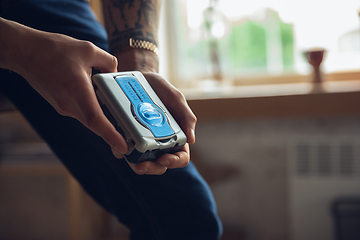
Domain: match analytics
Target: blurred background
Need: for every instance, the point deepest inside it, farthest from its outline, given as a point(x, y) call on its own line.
point(276, 88)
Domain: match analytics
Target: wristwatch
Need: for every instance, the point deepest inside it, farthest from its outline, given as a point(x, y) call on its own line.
point(136, 43)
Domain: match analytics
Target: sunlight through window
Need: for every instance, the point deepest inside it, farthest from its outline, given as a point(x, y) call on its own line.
point(227, 39)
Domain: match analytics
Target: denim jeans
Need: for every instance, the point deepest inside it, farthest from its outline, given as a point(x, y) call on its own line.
point(175, 205)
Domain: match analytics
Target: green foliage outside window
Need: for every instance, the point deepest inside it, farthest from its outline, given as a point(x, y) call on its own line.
point(243, 51)
point(245, 47)
point(287, 39)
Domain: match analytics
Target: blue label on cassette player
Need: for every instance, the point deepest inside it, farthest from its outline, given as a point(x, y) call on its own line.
point(145, 109)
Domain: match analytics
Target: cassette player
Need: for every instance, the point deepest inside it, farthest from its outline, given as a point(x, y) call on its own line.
point(135, 110)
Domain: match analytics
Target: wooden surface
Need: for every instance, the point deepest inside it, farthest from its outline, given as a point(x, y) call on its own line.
point(301, 105)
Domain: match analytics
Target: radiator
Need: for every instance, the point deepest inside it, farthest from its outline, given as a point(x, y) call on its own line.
point(320, 170)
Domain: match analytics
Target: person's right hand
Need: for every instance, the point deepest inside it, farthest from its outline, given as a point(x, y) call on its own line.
point(59, 68)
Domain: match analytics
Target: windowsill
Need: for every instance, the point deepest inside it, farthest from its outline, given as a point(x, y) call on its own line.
point(215, 91)
point(336, 98)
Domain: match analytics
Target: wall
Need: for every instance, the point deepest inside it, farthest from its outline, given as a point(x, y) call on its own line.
point(246, 163)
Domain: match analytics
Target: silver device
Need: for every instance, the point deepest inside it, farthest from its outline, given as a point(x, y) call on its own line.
point(136, 111)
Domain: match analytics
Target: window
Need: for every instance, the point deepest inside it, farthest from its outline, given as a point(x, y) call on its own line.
point(240, 42)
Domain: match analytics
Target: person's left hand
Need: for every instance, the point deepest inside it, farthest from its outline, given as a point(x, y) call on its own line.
point(174, 101)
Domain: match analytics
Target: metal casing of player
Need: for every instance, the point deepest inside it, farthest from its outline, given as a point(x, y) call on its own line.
point(136, 111)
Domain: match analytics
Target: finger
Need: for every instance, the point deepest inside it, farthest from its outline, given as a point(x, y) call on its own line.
point(176, 160)
point(181, 111)
point(187, 121)
point(92, 116)
point(148, 167)
point(100, 125)
point(117, 154)
point(103, 61)
point(176, 103)
point(184, 116)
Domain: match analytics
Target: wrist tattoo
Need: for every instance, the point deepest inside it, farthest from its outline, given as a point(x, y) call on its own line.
point(136, 19)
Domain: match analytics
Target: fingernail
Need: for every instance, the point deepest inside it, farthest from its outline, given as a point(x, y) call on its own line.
point(142, 171)
point(116, 153)
point(193, 133)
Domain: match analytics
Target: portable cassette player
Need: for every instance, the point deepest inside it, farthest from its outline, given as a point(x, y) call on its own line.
point(133, 107)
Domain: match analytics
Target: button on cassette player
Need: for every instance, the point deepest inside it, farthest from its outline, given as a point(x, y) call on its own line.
point(135, 110)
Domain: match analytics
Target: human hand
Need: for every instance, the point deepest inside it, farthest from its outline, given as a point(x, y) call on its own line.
point(174, 102)
point(59, 68)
